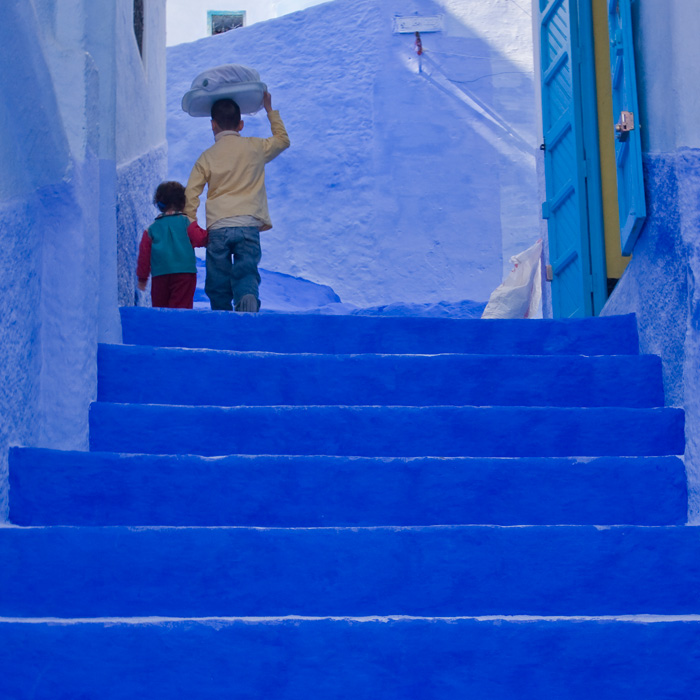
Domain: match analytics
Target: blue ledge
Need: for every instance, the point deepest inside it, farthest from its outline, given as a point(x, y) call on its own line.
point(612, 335)
point(340, 659)
point(387, 431)
point(143, 374)
point(437, 571)
point(49, 487)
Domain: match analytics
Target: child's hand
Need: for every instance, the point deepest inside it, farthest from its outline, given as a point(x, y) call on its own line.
point(267, 101)
point(141, 284)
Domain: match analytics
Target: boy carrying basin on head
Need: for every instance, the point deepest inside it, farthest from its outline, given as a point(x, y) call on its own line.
point(234, 170)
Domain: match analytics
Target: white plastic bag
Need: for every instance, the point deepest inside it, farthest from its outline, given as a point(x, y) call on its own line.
point(520, 294)
point(239, 83)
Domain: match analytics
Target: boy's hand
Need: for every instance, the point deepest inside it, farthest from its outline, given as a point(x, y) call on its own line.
point(267, 101)
point(141, 284)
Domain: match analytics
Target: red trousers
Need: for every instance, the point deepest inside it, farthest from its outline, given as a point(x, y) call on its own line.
point(174, 291)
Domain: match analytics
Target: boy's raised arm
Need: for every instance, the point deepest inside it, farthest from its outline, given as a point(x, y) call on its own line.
point(279, 141)
point(195, 187)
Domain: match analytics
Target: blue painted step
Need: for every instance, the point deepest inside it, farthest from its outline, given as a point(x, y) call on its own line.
point(221, 330)
point(394, 659)
point(434, 571)
point(449, 570)
point(387, 431)
point(142, 374)
point(49, 487)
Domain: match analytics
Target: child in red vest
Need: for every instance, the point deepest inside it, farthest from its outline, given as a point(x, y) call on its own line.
point(167, 251)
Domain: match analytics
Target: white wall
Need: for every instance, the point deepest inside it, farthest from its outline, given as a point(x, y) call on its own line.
point(140, 146)
point(667, 49)
point(140, 88)
point(59, 70)
point(50, 203)
point(399, 186)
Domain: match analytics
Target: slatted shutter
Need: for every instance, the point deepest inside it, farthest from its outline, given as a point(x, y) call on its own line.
point(565, 164)
point(628, 142)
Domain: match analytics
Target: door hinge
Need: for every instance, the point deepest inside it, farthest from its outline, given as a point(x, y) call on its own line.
point(550, 273)
point(624, 125)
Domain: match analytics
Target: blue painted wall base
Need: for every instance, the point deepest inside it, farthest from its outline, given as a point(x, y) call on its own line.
point(660, 286)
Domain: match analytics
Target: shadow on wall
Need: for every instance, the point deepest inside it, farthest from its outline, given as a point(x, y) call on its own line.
point(496, 127)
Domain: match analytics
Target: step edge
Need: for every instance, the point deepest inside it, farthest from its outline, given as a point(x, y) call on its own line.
point(87, 529)
point(169, 349)
point(642, 618)
point(100, 454)
point(354, 407)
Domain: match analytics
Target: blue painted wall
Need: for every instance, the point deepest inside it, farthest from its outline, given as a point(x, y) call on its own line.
point(80, 130)
point(659, 284)
point(656, 286)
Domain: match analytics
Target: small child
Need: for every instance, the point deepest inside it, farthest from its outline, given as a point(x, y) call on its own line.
point(167, 251)
point(233, 169)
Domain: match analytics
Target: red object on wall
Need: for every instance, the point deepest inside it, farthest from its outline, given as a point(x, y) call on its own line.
point(419, 44)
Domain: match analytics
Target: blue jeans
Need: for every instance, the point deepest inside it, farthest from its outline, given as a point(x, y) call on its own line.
point(226, 281)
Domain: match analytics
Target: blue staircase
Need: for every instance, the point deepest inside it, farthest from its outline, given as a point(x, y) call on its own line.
point(303, 507)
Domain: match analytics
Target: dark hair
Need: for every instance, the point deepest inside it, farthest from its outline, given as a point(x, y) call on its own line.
point(169, 195)
point(227, 114)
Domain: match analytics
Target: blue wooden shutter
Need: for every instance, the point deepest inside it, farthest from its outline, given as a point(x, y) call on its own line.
point(628, 142)
point(565, 164)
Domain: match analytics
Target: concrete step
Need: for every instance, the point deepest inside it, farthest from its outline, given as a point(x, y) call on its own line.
point(443, 571)
point(144, 374)
point(364, 659)
point(49, 487)
point(387, 431)
point(300, 333)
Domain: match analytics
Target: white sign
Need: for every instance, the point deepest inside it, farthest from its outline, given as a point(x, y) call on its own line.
point(415, 23)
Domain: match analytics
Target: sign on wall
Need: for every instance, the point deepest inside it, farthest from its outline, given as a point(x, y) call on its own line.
point(220, 22)
point(415, 23)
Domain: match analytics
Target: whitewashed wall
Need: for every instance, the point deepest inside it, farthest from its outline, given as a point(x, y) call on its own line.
point(399, 186)
point(60, 111)
point(140, 145)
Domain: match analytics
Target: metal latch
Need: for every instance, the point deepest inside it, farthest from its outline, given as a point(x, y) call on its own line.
point(625, 125)
point(550, 273)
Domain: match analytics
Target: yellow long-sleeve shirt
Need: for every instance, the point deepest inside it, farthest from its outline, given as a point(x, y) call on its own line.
point(234, 170)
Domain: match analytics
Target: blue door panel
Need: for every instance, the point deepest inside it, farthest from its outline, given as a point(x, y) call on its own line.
point(628, 142)
point(565, 164)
